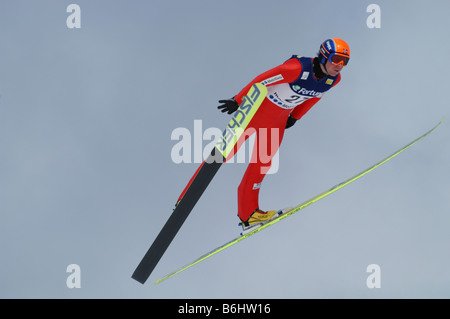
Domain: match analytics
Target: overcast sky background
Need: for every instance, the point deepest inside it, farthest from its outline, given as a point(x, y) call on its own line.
point(86, 175)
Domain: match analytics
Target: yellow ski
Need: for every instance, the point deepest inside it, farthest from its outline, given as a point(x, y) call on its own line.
point(203, 177)
point(283, 214)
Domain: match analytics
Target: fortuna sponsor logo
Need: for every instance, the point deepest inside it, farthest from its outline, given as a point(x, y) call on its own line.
point(304, 91)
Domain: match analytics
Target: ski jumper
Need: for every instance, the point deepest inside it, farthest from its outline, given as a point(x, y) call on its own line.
point(292, 90)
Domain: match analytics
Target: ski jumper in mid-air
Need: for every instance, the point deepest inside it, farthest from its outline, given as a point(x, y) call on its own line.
point(293, 88)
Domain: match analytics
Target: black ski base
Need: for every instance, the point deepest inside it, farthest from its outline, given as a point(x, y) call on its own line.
point(179, 215)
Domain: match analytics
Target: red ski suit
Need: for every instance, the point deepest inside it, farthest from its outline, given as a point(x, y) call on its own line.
point(287, 96)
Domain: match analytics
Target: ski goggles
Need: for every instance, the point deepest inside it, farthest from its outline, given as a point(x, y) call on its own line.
point(336, 59)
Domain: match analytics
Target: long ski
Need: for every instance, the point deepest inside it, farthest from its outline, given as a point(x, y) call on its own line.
point(290, 211)
point(200, 182)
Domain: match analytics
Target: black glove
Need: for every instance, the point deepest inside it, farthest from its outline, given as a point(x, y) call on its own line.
point(230, 105)
point(290, 122)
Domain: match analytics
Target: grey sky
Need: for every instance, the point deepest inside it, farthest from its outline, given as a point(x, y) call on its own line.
point(86, 175)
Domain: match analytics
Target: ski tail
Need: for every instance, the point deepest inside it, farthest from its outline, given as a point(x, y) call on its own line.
point(301, 206)
point(176, 220)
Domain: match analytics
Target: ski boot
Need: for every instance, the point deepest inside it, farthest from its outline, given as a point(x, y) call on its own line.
point(257, 217)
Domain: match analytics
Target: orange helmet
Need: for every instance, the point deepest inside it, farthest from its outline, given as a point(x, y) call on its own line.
point(334, 50)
